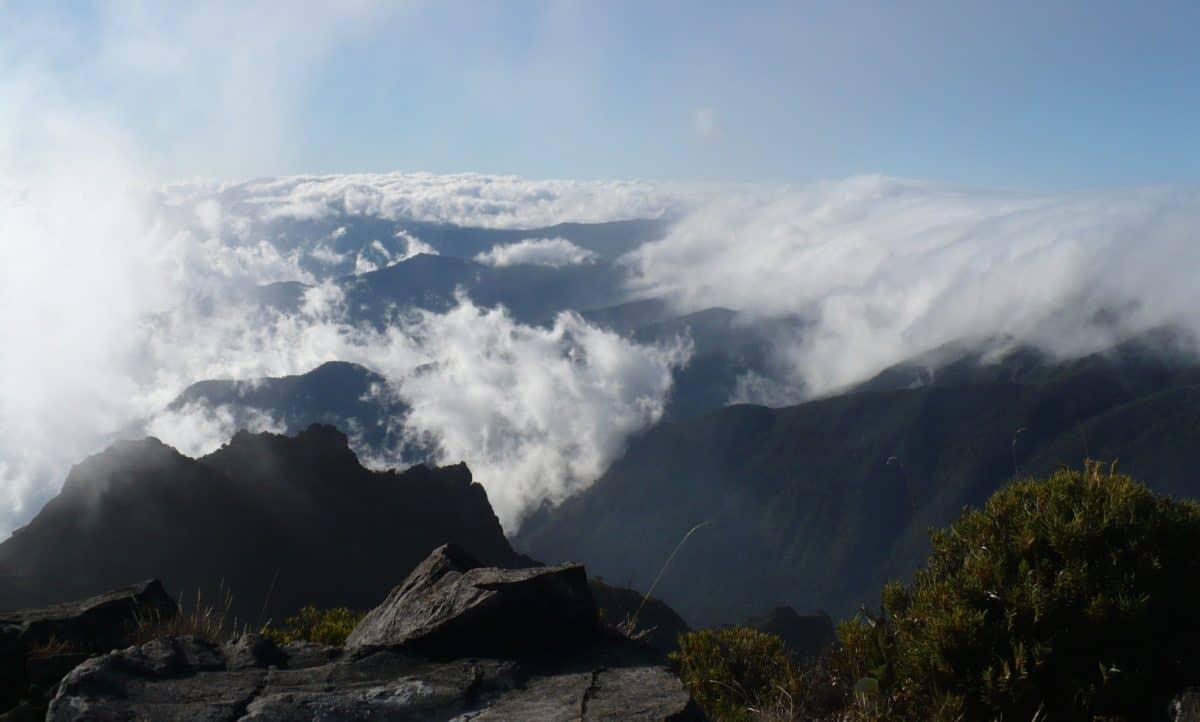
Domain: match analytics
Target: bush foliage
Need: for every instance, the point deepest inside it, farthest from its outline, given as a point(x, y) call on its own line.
point(1071, 598)
point(733, 672)
point(321, 626)
point(1067, 598)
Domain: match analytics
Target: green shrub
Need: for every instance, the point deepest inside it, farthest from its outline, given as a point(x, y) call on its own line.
point(321, 626)
point(733, 672)
point(1069, 598)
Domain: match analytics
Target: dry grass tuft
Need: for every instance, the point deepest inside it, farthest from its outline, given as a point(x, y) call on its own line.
point(210, 622)
point(53, 647)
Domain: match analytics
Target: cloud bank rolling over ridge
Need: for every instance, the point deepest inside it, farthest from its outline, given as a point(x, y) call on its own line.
point(884, 269)
point(115, 299)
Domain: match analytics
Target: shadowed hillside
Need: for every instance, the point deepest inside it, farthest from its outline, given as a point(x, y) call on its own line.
point(298, 510)
point(816, 505)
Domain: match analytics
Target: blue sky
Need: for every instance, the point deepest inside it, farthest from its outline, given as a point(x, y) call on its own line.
point(1027, 94)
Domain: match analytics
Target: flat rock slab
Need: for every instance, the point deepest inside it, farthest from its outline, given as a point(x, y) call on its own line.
point(177, 679)
point(640, 694)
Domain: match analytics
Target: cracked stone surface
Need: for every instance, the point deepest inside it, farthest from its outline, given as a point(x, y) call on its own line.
point(455, 642)
point(184, 679)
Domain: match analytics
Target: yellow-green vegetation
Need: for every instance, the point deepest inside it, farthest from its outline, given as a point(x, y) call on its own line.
point(739, 674)
point(1066, 598)
point(52, 648)
point(1071, 597)
point(321, 626)
point(734, 673)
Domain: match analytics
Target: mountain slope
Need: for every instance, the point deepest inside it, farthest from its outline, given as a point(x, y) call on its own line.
point(348, 396)
point(297, 510)
point(532, 293)
point(816, 505)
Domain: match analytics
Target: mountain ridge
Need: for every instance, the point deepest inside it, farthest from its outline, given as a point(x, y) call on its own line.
point(281, 522)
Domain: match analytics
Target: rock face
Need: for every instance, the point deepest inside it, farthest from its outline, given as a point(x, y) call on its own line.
point(455, 641)
point(39, 646)
point(804, 635)
point(284, 521)
point(450, 605)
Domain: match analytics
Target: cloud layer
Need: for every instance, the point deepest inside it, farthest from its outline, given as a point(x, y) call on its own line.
point(110, 304)
point(553, 252)
point(536, 412)
point(465, 199)
point(883, 269)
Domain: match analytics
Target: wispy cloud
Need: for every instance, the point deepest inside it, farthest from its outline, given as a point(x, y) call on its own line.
point(884, 268)
point(553, 252)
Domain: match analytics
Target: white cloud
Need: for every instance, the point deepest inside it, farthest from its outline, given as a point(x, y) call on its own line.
point(197, 429)
point(468, 199)
point(113, 299)
point(413, 246)
point(553, 252)
point(376, 255)
point(537, 413)
point(884, 269)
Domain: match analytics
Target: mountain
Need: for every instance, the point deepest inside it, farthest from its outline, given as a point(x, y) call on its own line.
point(607, 240)
point(335, 244)
point(816, 505)
point(280, 521)
point(727, 349)
point(350, 397)
point(731, 351)
point(532, 293)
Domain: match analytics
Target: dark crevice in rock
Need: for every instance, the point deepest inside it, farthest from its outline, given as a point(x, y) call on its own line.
point(240, 710)
point(590, 690)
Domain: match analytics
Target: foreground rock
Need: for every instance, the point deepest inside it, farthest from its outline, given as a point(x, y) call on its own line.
point(455, 641)
point(450, 606)
point(39, 646)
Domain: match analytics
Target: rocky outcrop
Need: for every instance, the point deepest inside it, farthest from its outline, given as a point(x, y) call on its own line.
point(804, 635)
point(455, 641)
point(284, 521)
point(450, 605)
point(39, 646)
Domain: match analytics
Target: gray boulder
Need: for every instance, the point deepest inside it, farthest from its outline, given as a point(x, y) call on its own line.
point(99, 621)
point(450, 606)
point(454, 642)
point(39, 646)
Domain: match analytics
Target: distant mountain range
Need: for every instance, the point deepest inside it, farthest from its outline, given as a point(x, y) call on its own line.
point(338, 244)
point(813, 505)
